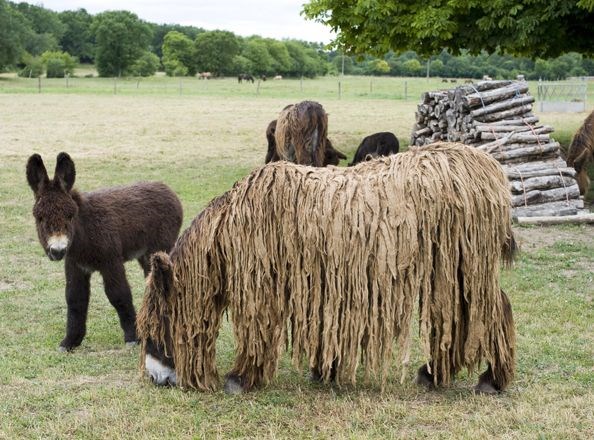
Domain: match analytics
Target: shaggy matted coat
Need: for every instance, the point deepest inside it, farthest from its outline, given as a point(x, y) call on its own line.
point(581, 152)
point(343, 255)
point(301, 133)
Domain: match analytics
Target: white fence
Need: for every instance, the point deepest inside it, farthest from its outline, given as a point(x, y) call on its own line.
point(562, 96)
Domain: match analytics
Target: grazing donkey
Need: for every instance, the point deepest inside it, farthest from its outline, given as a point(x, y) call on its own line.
point(99, 231)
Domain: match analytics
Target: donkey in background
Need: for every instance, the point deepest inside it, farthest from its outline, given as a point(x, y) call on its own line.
point(100, 231)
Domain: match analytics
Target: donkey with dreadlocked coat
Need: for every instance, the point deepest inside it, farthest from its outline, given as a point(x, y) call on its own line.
point(343, 255)
point(581, 152)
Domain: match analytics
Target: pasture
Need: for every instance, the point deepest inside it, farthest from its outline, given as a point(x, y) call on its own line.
point(200, 144)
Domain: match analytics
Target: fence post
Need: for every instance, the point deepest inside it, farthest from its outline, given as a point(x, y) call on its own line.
point(39, 84)
point(67, 76)
point(301, 84)
point(180, 87)
point(339, 90)
point(405, 90)
point(258, 87)
point(115, 86)
point(371, 86)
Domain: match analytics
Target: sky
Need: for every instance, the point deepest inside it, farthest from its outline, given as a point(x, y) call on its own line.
point(268, 18)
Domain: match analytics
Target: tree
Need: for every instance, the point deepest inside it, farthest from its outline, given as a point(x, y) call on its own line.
point(178, 55)
point(256, 51)
point(77, 39)
point(281, 59)
point(13, 33)
point(215, 51)
point(121, 38)
point(46, 29)
point(160, 30)
point(544, 28)
point(146, 65)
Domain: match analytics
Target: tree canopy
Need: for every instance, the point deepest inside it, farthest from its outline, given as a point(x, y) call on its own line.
point(121, 40)
point(539, 28)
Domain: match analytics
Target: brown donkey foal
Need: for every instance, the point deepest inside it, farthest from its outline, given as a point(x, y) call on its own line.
point(99, 231)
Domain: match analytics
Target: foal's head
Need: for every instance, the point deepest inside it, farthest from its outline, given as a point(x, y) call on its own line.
point(55, 209)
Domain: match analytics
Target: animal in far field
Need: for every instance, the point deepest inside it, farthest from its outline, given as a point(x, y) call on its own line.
point(245, 77)
point(487, 78)
point(333, 262)
point(581, 152)
point(100, 231)
point(331, 155)
point(204, 75)
point(278, 77)
point(378, 144)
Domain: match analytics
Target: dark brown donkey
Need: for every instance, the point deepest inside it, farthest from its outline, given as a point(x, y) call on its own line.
point(99, 231)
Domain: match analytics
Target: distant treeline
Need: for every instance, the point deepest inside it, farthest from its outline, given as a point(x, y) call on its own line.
point(35, 40)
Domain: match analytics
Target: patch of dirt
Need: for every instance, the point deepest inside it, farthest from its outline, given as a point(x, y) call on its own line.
point(538, 237)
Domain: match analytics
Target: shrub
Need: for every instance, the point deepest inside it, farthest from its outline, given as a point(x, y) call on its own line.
point(146, 65)
point(33, 67)
point(55, 68)
point(58, 64)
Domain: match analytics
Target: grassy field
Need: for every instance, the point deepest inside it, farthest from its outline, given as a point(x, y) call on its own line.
point(199, 144)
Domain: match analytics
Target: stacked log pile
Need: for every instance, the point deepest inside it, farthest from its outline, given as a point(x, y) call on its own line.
point(496, 117)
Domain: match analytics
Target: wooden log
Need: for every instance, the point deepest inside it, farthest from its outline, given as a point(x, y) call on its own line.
point(502, 105)
point(517, 153)
point(515, 175)
point(483, 98)
point(505, 113)
point(423, 132)
point(519, 138)
point(540, 182)
point(482, 86)
point(543, 196)
point(512, 121)
point(563, 207)
point(556, 220)
point(535, 165)
point(543, 129)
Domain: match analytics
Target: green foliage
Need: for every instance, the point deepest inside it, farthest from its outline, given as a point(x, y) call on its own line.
point(146, 65)
point(54, 68)
point(256, 51)
point(33, 67)
point(77, 39)
point(215, 50)
point(178, 55)
point(58, 63)
point(44, 28)
point(241, 64)
point(160, 30)
point(13, 33)
point(122, 38)
point(545, 28)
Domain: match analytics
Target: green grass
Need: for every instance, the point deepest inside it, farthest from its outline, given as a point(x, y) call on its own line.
point(200, 145)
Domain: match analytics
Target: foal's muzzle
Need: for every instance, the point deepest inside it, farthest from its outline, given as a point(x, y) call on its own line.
point(56, 254)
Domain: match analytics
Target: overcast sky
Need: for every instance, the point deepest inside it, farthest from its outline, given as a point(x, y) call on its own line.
point(269, 18)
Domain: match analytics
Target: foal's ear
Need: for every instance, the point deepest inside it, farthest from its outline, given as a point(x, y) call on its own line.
point(36, 173)
point(65, 172)
point(162, 272)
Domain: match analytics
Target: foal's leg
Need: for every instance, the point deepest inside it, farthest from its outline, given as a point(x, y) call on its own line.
point(119, 295)
point(78, 283)
point(144, 262)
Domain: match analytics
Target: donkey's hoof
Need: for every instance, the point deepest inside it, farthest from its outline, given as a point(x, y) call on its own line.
point(233, 385)
point(424, 378)
point(130, 344)
point(63, 349)
point(485, 388)
point(315, 376)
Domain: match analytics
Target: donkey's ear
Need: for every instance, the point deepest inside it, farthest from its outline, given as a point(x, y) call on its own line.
point(162, 272)
point(65, 172)
point(36, 173)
